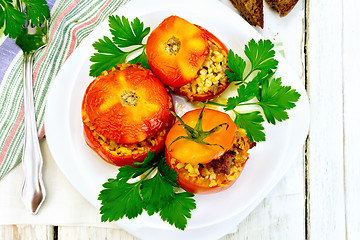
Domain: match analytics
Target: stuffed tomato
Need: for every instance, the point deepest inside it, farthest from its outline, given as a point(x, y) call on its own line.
point(208, 154)
point(188, 59)
point(125, 114)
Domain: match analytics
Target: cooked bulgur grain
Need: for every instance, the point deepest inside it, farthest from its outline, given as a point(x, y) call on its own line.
point(212, 73)
point(125, 149)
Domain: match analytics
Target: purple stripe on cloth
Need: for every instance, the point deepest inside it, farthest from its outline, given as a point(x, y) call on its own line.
point(51, 3)
point(8, 50)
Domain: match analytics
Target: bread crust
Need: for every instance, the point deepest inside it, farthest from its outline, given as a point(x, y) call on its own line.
point(251, 10)
point(283, 7)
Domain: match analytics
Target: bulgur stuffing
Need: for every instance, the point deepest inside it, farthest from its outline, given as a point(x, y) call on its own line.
point(212, 73)
point(126, 149)
point(221, 171)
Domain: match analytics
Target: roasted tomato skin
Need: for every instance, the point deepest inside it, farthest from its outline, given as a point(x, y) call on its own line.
point(127, 106)
point(127, 119)
point(176, 49)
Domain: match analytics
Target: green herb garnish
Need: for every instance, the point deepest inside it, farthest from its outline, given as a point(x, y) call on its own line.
point(13, 19)
point(262, 90)
point(156, 191)
point(126, 39)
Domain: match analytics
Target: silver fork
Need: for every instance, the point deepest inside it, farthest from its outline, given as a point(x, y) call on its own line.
point(33, 192)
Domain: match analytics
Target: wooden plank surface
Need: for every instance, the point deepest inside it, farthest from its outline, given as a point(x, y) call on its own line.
point(325, 80)
point(351, 85)
point(26, 232)
point(68, 233)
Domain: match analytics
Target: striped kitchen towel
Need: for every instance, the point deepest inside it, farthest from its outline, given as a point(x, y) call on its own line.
point(71, 22)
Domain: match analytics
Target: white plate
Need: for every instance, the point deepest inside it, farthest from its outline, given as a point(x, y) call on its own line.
point(216, 214)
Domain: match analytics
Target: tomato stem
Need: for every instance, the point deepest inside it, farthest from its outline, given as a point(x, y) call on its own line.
point(197, 134)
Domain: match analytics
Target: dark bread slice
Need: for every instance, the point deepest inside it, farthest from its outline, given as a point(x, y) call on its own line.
point(251, 11)
point(282, 6)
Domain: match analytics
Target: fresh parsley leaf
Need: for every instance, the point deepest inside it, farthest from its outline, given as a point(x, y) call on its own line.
point(237, 66)
point(245, 92)
point(107, 57)
point(156, 192)
point(126, 40)
point(258, 88)
point(37, 11)
point(127, 195)
point(142, 58)
point(178, 209)
point(263, 75)
point(261, 55)
point(120, 199)
point(127, 172)
point(275, 99)
point(2, 17)
point(148, 162)
point(169, 174)
point(252, 123)
point(126, 35)
point(12, 18)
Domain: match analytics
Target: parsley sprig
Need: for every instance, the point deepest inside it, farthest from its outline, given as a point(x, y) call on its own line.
point(155, 192)
point(127, 38)
point(262, 90)
point(13, 20)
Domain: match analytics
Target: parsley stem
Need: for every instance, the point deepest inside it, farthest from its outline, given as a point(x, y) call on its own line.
point(247, 104)
point(239, 104)
point(217, 104)
point(148, 173)
point(144, 178)
point(17, 5)
point(248, 75)
point(138, 48)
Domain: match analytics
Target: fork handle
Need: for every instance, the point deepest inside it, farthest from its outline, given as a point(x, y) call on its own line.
point(33, 191)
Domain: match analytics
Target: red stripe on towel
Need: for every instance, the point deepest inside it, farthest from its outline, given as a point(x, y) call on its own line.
point(56, 26)
point(73, 34)
point(12, 134)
